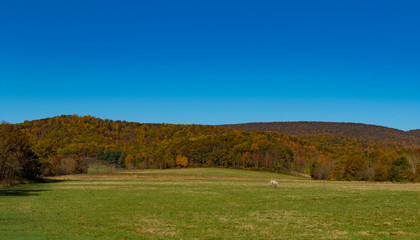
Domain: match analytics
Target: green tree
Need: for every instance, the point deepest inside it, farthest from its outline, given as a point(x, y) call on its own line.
point(400, 170)
point(100, 155)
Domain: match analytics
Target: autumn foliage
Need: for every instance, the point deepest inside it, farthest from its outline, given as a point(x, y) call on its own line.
point(181, 161)
point(364, 132)
point(17, 160)
point(136, 145)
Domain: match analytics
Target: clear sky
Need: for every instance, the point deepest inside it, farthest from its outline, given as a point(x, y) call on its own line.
point(212, 62)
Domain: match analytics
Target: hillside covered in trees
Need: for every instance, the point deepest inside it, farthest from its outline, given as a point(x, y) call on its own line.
point(364, 132)
point(415, 133)
point(63, 144)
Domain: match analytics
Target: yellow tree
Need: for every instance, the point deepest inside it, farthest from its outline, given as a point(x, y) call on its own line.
point(181, 161)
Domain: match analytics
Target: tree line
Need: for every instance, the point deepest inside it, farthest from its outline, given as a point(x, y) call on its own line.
point(62, 143)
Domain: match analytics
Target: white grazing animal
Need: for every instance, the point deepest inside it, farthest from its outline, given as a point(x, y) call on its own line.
point(274, 183)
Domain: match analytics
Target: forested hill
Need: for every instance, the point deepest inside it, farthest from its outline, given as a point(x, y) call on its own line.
point(365, 132)
point(63, 142)
point(415, 133)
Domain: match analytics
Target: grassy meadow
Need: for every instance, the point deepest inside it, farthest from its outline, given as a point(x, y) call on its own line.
point(208, 203)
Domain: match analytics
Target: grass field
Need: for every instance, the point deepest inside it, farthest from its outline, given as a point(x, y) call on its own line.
point(216, 172)
point(210, 204)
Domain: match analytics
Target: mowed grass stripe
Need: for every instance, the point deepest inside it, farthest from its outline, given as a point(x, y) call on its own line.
point(216, 172)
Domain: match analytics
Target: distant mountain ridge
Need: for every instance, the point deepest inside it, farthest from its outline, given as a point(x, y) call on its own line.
point(360, 131)
point(415, 133)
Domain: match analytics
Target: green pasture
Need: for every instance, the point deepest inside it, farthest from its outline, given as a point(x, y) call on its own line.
point(210, 209)
point(101, 168)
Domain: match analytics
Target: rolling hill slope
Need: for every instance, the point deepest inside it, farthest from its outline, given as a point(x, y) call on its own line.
point(365, 132)
point(323, 150)
point(415, 133)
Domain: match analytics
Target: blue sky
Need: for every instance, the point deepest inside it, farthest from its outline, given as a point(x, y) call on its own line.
point(212, 62)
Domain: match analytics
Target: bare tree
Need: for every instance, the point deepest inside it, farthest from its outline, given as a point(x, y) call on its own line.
point(414, 160)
